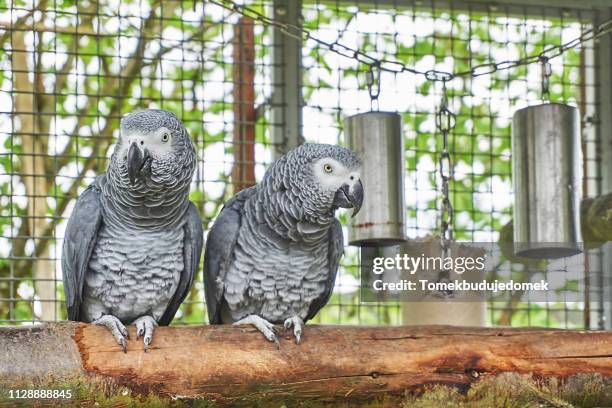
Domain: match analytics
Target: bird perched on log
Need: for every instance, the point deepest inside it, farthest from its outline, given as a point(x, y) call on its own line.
point(273, 253)
point(134, 240)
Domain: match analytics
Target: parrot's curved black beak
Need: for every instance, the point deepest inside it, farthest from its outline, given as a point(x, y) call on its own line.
point(136, 160)
point(349, 197)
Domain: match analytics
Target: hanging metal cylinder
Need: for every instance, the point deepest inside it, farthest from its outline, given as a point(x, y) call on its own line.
point(547, 176)
point(377, 138)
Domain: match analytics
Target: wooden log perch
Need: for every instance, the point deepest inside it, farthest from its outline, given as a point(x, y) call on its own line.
point(228, 363)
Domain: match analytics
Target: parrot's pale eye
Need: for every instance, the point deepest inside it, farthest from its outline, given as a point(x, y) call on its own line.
point(328, 168)
point(165, 137)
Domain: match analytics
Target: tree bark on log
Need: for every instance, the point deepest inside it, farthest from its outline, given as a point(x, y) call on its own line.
point(227, 363)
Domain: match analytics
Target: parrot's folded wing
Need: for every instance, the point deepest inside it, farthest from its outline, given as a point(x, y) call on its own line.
point(334, 253)
point(219, 252)
point(192, 251)
point(79, 241)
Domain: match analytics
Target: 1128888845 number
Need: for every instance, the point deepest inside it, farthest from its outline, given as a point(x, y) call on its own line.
point(39, 394)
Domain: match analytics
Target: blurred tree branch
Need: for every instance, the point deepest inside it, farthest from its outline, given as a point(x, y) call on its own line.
point(597, 219)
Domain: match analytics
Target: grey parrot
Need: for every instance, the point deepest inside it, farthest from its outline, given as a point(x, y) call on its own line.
point(273, 252)
point(134, 240)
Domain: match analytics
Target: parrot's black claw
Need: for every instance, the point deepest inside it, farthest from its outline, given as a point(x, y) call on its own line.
point(116, 328)
point(297, 324)
point(265, 327)
point(145, 326)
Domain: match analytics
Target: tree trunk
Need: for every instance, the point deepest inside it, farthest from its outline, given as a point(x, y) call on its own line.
point(32, 171)
point(228, 363)
point(243, 76)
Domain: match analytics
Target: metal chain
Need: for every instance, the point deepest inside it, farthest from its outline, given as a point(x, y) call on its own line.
point(445, 122)
point(373, 80)
point(398, 67)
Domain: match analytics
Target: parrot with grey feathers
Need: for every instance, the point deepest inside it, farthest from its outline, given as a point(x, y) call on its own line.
point(273, 253)
point(134, 240)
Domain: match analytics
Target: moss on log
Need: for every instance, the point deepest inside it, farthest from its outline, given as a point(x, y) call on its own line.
point(230, 364)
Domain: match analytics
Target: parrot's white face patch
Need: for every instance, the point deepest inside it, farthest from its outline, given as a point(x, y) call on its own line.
point(157, 143)
point(331, 174)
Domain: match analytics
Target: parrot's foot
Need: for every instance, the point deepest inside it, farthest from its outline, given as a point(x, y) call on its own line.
point(145, 326)
point(297, 324)
point(264, 326)
point(116, 328)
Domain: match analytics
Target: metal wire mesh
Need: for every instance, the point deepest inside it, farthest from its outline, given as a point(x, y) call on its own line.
point(452, 40)
point(68, 72)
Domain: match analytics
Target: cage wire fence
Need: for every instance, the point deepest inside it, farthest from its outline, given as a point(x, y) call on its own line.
point(70, 70)
point(455, 41)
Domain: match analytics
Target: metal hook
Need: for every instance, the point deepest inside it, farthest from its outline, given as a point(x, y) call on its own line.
point(546, 73)
point(444, 101)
